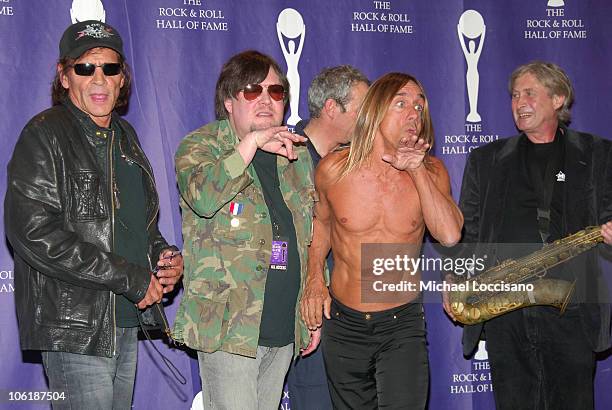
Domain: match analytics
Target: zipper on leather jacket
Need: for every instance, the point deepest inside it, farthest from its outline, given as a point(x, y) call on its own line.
point(113, 195)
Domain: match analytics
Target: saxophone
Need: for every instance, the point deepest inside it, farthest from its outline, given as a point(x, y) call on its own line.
point(471, 306)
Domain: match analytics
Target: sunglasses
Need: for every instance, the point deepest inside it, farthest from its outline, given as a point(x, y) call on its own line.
point(88, 69)
point(253, 91)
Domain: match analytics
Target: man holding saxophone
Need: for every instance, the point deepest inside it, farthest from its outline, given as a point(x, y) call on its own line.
point(542, 185)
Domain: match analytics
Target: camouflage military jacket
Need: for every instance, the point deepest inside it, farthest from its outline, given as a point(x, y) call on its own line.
point(227, 236)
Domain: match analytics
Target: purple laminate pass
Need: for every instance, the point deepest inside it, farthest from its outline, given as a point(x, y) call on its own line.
point(278, 260)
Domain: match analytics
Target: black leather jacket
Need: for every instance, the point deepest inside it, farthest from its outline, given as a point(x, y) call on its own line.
point(59, 218)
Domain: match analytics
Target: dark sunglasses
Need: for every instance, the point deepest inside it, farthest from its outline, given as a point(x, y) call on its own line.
point(88, 69)
point(252, 91)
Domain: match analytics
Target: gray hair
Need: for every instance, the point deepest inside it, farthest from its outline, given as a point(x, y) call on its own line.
point(334, 83)
point(554, 79)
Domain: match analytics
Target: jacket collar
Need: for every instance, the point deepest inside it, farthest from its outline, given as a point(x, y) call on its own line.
point(86, 122)
point(578, 180)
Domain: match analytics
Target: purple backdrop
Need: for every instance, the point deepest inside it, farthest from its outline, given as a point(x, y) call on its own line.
point(176, 49)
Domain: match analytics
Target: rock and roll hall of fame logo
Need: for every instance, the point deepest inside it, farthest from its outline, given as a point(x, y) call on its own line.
point(471, 27)
point(290, 26)
point(83, 10)
point(555, 3)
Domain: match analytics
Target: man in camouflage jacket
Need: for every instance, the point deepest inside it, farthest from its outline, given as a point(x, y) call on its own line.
point(247, 197)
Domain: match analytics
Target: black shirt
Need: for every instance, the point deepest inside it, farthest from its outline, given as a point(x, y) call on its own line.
point(520, 234)
point(277, 325)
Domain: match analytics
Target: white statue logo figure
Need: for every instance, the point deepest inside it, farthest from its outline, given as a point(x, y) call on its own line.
point(481, 353)
point(471, 25)
point(83, 10)
point(291, 25)
point(556, 3)
point(198, 401)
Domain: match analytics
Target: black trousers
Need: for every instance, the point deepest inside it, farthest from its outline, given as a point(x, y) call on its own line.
point(378, 359)
point(540, 360)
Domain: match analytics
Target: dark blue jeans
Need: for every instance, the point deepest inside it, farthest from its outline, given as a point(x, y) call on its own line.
point(92, 382)
point(540, 360)
point(307, 382)
point(376, 360)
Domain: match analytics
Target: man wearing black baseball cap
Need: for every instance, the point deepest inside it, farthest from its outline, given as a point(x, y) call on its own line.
point(81, 214)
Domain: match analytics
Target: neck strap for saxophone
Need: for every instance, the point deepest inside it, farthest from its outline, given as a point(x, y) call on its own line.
point(545, 184)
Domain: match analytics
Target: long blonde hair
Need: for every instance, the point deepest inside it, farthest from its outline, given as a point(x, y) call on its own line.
point(371, 113)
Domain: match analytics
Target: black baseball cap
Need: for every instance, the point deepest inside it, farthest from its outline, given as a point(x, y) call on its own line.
point(85, 35)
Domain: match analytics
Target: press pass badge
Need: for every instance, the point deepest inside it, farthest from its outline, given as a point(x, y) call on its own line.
point(278, 260)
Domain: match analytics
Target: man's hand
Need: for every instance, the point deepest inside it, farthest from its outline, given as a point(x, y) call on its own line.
point(315, 339)
point(315, 302)
point(277, 140)
point(606, 231)
point(154, 294)
point(169, 269)
point(408, 155)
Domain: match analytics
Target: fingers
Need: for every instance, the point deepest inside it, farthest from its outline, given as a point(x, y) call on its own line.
point(421, 145)
point(413, 143)
point(308, 318)
point(278, 140)
point(170, 269)
point(315, 339)
point(285, 141)
point(168, 254)
point(309, 349)
point(293, 137)
point(606, 231)
point(262, 137)
point(169, 275)
point(327, 308)
point(154, 294)
point(312, 313)
point(289, 148)
point(170, 259)
point(388, 158)
point(168, 278)
point(311, 309)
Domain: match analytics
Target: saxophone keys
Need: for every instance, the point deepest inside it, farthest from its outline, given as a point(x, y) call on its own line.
point(457, 307)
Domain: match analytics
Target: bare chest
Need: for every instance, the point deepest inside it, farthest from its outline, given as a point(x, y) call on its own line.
point(366, 202)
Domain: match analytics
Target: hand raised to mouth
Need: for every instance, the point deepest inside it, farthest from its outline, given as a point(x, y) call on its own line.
point(409, 153)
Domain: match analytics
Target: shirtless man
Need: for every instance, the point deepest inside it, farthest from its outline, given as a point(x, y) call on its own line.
point(385, 189)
